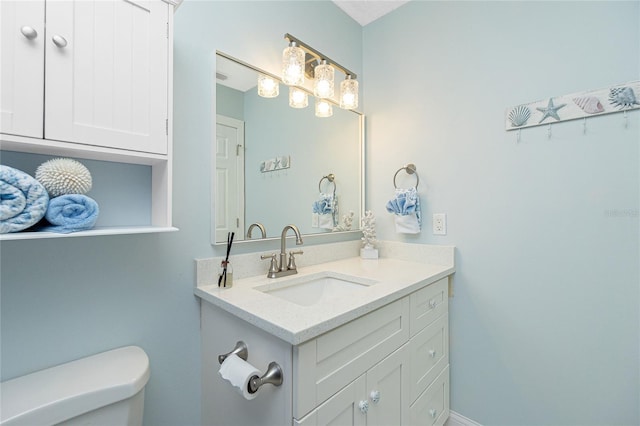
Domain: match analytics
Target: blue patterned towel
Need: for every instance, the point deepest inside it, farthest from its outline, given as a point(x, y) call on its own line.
point(325, 210)
point(71, 213)
point(406, 209)
point(23, 200)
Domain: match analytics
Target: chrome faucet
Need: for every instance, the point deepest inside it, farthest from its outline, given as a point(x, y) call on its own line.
point(283, 268)
point(259, 226)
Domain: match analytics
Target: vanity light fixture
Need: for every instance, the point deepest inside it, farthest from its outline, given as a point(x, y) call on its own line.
point(349, 93)
point(268, 87)
point(319, 67)
point(323, 108)
point(324, 80)
point(293, 64)
point(298, 98)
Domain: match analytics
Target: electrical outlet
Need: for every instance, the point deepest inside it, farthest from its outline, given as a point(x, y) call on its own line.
point(439, 224)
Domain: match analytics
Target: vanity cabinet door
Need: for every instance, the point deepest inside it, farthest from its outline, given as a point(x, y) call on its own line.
point(343, 408)
point(107, 74)
point(388, 390)
point(22, 39)
point(377, 398)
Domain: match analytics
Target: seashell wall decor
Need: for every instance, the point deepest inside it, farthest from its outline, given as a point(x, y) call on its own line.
point(618, 98)
point(519, 115)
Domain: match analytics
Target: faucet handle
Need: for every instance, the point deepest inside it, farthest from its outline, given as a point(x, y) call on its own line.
point(273, 267)
point(292, 259)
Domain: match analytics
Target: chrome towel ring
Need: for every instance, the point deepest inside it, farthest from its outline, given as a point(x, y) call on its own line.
point(331, 178)
point(411, 170)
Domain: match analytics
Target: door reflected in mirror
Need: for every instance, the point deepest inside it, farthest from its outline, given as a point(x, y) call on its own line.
point(277, 165)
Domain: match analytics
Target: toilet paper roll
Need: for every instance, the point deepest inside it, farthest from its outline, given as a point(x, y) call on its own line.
point(238, 372)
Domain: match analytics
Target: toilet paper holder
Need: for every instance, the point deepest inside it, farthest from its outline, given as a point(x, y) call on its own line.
point(273, 375)
point(240, 350)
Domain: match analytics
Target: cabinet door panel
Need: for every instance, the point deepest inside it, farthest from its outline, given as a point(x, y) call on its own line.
point(342, 409)
point(388, 383)
point(22, 62)
point(108, 85)
point(334, 359)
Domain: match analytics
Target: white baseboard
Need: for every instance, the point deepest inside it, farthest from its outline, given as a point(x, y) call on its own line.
point(456, 419)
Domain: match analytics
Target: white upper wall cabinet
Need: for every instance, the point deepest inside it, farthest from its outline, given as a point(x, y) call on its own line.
point(22, 78)
point(91, 79)
point(105, 74)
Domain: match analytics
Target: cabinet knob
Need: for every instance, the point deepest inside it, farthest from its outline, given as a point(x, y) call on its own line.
point(432, 303)
point(364, 406)
point(433, 413)
point(59, 41)
point(29, 32)
point(432, 353)
point(375, 396)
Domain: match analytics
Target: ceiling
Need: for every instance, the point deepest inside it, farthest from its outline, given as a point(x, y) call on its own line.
point(366, 11)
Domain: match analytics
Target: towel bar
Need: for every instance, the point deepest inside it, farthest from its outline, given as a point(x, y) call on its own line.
point(410, 169)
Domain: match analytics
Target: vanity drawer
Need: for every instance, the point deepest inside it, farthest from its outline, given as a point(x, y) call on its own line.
point(326, 364)
point(428, 355)
point(428, 304)
point(432, 407)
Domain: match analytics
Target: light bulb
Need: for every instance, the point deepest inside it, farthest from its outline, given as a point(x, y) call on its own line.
point(324, 75)
point(349, 93)
point(268, 87)
point(323, 108)
point(298, 98)
point(293, 65)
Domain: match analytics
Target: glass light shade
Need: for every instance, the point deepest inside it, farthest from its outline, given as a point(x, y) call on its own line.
point(298, 98)
point(324, 80)
point(323, 108)
point(268, 87)
point(349, 93)
point(293, 65)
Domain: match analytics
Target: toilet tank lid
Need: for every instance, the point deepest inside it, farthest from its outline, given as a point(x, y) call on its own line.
point(59, 393)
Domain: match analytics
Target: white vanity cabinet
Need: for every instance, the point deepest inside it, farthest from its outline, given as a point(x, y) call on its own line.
point(374, 398)
point(90, 79)
point(389, 366)
point(87, 72)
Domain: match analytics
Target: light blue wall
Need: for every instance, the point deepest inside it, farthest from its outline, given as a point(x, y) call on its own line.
point(544, 322)
point(67, 298)
point(229, 102)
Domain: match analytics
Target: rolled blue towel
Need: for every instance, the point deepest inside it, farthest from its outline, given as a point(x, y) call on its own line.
point(23, 200)
point(71, 213)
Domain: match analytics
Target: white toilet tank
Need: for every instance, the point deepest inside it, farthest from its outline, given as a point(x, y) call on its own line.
point(106, 389)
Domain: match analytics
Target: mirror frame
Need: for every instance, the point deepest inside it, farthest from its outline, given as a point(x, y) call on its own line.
point(340, 235)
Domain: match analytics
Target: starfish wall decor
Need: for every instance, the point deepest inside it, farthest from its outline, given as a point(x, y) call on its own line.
point(619, 98)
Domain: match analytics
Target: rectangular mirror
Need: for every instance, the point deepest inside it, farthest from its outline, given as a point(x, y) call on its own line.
point(276, 165)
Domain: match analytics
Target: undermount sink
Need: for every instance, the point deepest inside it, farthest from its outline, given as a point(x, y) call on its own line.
point(317, 288)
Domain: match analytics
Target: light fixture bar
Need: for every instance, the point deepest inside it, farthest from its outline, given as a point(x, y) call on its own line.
point(319, 55)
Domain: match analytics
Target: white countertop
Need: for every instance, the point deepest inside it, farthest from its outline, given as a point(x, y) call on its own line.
point(296, 324)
